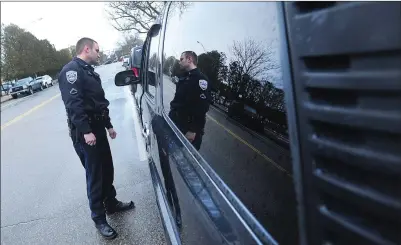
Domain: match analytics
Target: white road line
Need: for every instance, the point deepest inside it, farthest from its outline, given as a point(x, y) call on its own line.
point(138, 129)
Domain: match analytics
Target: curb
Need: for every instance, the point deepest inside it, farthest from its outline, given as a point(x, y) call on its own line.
point(5, 98)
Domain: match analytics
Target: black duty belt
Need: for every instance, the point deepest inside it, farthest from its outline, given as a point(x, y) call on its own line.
point(102, 116)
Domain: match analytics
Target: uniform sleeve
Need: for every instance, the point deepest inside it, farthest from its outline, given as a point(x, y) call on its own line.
point(71, 88)
point(108, 124)
point(199, 97)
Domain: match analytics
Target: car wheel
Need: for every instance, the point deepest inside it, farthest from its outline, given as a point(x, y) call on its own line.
point(41, 87)
point(30, 90)
point(14, 96)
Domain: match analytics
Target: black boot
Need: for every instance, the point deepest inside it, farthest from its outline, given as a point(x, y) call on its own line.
point(105, 230)
point(119, 207)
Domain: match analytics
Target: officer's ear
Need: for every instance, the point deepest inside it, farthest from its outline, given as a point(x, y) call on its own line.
point(86, 49)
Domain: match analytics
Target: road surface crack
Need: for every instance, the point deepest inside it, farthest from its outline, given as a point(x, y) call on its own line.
point(27, 222)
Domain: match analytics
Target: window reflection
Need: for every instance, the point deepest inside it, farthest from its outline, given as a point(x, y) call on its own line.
point(245, 138)
point(152, 65)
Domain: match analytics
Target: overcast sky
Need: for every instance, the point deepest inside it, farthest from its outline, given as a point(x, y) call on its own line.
point(63, 23)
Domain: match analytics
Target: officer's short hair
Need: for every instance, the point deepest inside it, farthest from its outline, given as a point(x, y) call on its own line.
point(82, 43)
point(193, 55)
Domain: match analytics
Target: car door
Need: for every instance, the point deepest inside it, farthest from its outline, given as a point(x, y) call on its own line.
point(33, 83)
point(149, 107)
point(238, 188)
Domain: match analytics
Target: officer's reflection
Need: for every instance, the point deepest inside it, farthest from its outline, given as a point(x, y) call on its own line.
point(191, 100)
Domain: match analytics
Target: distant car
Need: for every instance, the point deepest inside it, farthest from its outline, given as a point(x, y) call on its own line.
point(26, 85)
point(5, 87)
point(108, 62)
point(46, 81)
point(126, 62)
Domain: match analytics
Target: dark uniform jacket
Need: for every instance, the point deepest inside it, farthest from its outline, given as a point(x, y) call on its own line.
point(191, 102)
point(83, 95)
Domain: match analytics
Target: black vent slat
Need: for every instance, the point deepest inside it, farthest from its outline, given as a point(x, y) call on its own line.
point(350, 24)
point(369, 199)
point(358, 156)
point(359, 118)
point(351, 232)
point(364, 80)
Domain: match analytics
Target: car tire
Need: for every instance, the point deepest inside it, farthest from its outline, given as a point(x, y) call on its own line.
point(14, 96)
point(40, 88)
point(30, 90)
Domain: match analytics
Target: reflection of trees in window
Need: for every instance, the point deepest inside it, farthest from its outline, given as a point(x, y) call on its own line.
point(171, 66)
point(242, 80)
point(168, 65)
point(212, 64)
point(153, 62)
point(252, 57)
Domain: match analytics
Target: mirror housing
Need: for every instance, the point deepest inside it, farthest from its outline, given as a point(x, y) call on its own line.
point(154, 30)
point(125, 78)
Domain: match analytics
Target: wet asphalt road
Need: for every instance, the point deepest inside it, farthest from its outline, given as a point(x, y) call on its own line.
point(43, 194)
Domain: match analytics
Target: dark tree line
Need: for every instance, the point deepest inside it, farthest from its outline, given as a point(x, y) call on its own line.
point(22, 54)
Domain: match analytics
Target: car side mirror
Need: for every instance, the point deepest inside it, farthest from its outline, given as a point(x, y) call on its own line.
point(125, 78)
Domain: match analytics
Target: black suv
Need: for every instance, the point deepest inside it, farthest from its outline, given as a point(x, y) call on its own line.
point(337, 182)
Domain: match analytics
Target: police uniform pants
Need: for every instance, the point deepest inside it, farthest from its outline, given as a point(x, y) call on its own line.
point(98, 164)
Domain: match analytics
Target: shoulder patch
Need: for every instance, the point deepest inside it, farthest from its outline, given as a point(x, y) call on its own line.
point(203, 96)
point(203, 84)
point(73, 91)
point(71, 76)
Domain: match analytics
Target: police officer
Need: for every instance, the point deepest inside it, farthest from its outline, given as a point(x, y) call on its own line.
point(88, 119)
point(191, 100)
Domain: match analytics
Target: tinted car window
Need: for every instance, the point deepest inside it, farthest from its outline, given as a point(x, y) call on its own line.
point(245, 138)
point(152, 65)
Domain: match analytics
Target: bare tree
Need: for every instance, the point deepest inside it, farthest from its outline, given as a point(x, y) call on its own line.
point(137, 16)
point(253, 57)
point(128, 43)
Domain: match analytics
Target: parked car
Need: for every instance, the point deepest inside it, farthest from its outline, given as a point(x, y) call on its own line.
point(5, 87)
point(46, 81)
point(25, 86)
point(339, 181)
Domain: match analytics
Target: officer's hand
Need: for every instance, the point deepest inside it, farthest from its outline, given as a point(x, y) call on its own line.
point(90, 139)
point(112, 133)
point(190, 136)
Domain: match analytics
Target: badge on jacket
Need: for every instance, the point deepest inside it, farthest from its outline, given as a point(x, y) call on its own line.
point(203, 84)
point(71, 76)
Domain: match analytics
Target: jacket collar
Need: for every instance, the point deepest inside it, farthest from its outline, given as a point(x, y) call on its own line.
point(83, 63)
